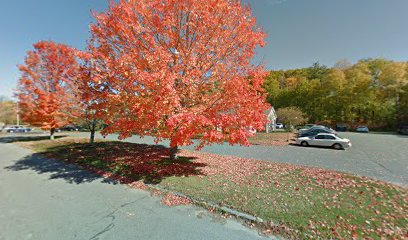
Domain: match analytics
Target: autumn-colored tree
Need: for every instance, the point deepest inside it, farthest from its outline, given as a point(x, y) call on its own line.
point(178, 69)
point(46, 91)
point(88, 96)
point(8, 112)
point(371, 91)
point(393, 79)
point(291, 116)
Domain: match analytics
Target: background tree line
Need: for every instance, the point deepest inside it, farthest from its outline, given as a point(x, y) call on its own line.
point(8, 112)
point(372, 92)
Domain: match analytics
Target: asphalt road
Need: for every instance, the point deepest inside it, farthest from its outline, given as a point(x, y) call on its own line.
point(379, 156)
point(45, 199)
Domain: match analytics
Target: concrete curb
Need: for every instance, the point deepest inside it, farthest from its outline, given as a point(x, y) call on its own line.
point(244, 217)
point(196, 201)
point(200, 202)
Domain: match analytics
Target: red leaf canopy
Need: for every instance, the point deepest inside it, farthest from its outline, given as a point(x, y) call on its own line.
point(46, 92)
point(178, 69)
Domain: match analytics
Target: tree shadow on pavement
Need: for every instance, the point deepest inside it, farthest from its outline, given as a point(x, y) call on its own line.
point(25, 138)
point(130, 161)
point(57, 169)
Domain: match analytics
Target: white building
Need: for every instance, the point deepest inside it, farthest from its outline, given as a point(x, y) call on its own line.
point(271, 116)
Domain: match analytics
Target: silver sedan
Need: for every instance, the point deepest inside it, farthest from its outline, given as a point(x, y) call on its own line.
point(324, 140)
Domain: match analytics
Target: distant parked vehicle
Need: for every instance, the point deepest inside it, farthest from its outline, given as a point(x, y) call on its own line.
point(305, 127)
point(315, 131)
point(70, 128)
point(329, 130)
point(403, 129)
point(324, 140)
point(341, 127)
point(251, 130)
point(310, 128)
point(17, 129)
point(279, 125)
point(309, 125)
point(362, 129)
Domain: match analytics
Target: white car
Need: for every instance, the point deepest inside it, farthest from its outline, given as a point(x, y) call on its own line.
point(251, 130)
point(324, 140)
point(279, 125)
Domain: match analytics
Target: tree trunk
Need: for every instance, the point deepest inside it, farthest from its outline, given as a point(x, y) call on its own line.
point(52, 131)
point(92, 138)
point(173, 153)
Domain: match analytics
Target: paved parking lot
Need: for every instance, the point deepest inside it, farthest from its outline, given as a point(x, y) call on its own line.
point(379, 156)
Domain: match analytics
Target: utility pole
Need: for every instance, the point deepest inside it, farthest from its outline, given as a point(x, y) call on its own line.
point(18, 115)
point(18, 109)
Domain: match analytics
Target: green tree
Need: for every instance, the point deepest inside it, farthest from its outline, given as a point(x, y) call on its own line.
point(333, 101)
point(371, 91)
point(317, 71)
point(8, 111)
point(291, 116)
point(273, 85)
point(393, 80)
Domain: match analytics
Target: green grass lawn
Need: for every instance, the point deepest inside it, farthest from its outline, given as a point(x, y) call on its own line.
point(296, 202)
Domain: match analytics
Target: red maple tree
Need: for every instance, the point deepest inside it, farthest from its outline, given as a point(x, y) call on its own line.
point(89, 93)
point(178, 70)
point(46, 92)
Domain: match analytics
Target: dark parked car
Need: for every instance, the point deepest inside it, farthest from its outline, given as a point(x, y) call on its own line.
point(70, 128)
point(314, 131)
point(341, 127)
point(305, 127)
point(403, 129)
point(301, 131)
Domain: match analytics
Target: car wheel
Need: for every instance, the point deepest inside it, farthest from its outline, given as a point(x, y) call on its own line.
point(337, 146)
point(304, 144)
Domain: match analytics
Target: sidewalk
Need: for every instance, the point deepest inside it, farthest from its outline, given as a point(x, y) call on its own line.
point(54, 200)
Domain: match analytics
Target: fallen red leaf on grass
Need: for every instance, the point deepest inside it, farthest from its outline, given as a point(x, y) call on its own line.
point(174, 200)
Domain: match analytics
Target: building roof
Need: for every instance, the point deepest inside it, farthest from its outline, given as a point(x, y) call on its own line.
point(271, 113)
